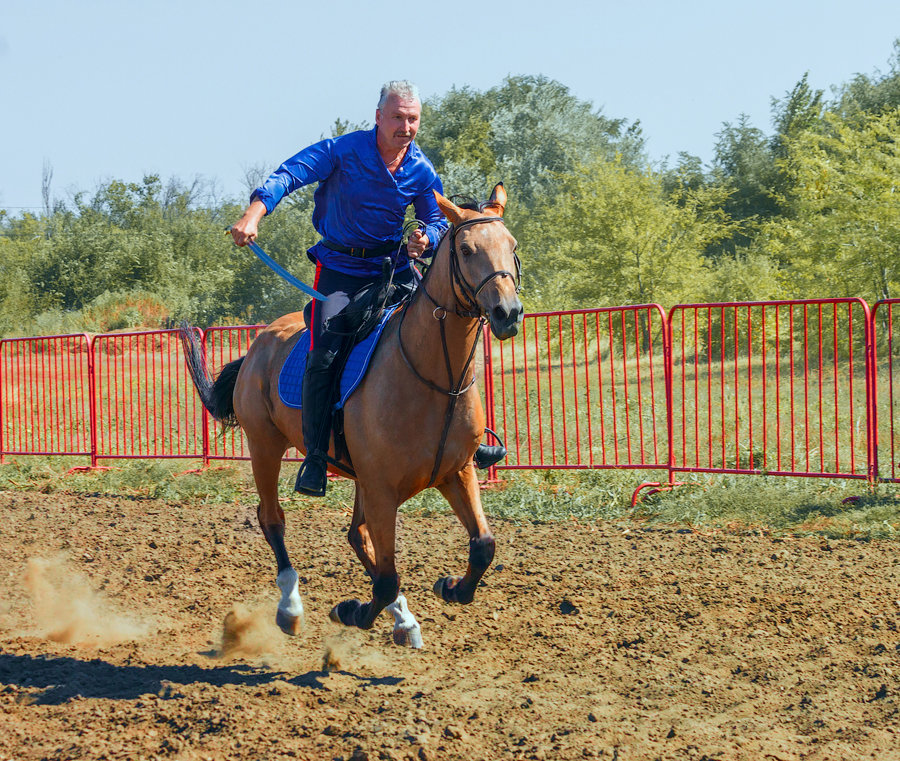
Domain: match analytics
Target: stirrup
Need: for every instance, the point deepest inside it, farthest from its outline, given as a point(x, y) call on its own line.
point(312, 479)
point(486, 455)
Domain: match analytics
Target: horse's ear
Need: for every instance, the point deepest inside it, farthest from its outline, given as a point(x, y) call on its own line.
point(449, 209)
point(497, 201)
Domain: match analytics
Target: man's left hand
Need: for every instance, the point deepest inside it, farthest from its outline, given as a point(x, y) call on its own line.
point(417, 244)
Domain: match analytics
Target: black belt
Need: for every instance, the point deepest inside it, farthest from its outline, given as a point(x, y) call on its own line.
point(364, 253)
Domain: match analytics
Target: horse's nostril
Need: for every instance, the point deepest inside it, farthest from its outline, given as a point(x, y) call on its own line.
point(500, 313)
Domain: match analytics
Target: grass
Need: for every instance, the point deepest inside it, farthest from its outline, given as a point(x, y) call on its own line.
point(719, 502)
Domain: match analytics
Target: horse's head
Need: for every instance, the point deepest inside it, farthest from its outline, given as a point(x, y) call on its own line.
point(484, 266)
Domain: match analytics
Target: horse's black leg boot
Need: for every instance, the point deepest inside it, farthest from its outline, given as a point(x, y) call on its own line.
point(318, 384)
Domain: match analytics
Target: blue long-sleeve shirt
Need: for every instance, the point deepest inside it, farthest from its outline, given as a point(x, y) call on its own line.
point(358, 203)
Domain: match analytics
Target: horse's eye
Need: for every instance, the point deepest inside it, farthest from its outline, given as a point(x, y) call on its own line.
point(465, 250)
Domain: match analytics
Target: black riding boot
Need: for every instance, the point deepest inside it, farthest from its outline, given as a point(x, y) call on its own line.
point(487, 455)
point(318, 386)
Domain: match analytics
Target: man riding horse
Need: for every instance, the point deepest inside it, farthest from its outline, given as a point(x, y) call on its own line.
point(367, 179)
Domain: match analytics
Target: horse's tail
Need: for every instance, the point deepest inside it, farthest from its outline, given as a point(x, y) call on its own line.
point(217, 395)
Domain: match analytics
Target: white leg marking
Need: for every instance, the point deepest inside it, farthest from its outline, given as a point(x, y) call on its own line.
point(290, 603)
point(406, 628)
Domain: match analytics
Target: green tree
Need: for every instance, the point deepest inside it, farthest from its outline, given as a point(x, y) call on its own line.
point(744, 166)
point(523, 133)
point(799, 111)
point(20, 239)
point(841, 233)
point(866, 94)
point(612, 236)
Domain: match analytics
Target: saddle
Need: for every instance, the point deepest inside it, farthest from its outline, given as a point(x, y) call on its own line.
point(290, 379)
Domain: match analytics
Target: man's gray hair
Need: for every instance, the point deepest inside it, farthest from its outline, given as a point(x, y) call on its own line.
point(402, 88)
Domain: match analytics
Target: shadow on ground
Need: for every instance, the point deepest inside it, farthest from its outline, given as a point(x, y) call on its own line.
point(62, 679)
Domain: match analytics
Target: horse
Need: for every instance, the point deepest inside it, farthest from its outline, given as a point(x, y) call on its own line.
point(414, 421)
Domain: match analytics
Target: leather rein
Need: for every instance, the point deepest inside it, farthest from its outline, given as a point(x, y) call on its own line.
point(466, 297)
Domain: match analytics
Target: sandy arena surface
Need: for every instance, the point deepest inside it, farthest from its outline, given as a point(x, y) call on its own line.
point(585, 641)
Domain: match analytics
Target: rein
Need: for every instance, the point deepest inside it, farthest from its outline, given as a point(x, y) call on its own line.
point(459, 285)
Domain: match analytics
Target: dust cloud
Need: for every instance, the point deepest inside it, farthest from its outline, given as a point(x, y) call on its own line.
point(249, 633)
point(68, 610)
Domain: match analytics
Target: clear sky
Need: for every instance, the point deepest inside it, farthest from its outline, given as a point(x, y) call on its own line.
point(105, 90)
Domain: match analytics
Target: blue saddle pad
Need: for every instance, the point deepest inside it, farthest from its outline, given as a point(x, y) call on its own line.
point(290, 379)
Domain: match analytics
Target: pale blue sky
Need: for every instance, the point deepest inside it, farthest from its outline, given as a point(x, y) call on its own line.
point(118, 89)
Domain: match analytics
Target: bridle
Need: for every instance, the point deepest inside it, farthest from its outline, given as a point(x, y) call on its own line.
point(465, 306)
point(459, 280)
point(470, 310)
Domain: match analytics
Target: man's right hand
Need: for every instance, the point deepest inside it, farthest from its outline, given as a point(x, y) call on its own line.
point(246, 228)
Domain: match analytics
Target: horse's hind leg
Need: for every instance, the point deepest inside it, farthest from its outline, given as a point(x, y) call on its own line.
point(406, 628)
point(462, 492)
point(359, 538)
point(265, 457)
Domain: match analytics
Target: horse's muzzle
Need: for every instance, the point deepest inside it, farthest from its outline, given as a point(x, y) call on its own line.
point(505, 318)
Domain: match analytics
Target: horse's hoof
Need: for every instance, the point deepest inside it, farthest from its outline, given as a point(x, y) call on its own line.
point(346, 612)
point(290, 625)
point(448, 589)
point(408, 636)
point(445, 587)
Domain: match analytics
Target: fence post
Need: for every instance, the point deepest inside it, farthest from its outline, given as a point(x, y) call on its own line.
point(871, 394)
point(204, 415)
point(2, 421)
point(668, 373)
point(489, 391)
point(92, 398)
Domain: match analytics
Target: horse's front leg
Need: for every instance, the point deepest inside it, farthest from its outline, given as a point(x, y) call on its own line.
point(462, 492)
point(406, 628)
point(380, 513)
point(266, 462)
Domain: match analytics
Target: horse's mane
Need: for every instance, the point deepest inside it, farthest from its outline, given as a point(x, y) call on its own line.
point(469, 202)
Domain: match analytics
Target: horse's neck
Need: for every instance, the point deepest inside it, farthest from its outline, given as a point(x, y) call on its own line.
point(422, 338)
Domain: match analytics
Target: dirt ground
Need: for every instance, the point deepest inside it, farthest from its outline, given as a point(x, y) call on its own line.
point(585, 641)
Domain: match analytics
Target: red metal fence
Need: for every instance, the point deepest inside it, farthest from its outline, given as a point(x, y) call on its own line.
point(45, 396)
point(886, 390)
point(776, 387)
point(582, 389)
point(794, 388)
point(144, 402)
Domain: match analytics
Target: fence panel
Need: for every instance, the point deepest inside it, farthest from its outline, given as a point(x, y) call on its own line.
point(222, 345)
point(775, 387)
point(886, 386)
point(146, 405)
point(794, 388)
point(582, 389)
point(45, 395)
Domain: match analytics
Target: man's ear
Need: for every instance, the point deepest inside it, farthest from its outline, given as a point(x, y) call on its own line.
point(497, 201)
point(449, 209)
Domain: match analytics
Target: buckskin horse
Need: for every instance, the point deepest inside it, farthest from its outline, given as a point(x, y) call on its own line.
point(414, 422)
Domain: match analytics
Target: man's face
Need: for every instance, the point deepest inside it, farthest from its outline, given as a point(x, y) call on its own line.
point(398, 121)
